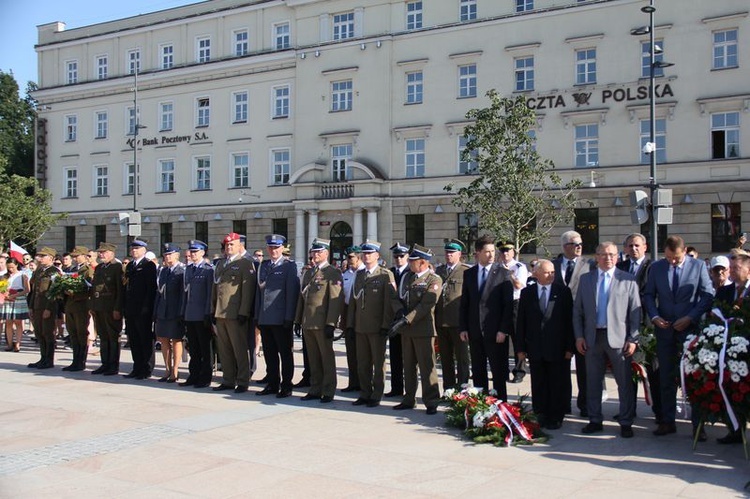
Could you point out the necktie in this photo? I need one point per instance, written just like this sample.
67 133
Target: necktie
543 299
633 267
675 280
482 280
740 295
569 272
601 304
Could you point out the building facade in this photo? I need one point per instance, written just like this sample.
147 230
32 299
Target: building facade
344 118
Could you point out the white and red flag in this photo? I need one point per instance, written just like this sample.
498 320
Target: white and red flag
17 252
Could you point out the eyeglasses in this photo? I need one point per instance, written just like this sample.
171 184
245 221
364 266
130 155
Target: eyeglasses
577 245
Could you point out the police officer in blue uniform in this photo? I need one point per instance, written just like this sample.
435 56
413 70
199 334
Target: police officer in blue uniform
196 311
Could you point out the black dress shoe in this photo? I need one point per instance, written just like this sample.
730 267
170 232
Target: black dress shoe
263 381
733 437
592 428
202 385
518 377
392 394
361 401
34 365
350 389
222 387
309 396
131 374
187 382
402 407
69 368
240 389
326 399
665 429
626 431
431 410
553 425
284 393
373 403
266 391
99 370
110 373
173 380
163 379
74 369
46 366
303 383
143 376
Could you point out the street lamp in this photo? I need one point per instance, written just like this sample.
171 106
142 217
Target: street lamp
650 148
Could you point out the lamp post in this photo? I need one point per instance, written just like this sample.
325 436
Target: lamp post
134 220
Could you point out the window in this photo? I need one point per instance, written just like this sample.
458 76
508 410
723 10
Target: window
70 236
71 72
340 155
467 81
586 222
203 173
725 135
102 124
201 231
646 59
102 67
280 164
71 183
524 73
132 123
166 175
100 234
661 233
467 10
241 42
101 180
129 184
524 5
240 170
343 26
281 36
468 229
203 49
71 128
166 116
341 95
281 102
660 138
167 56
725 226
725 49
414 87
466 167
203 116
280 226
134 61
239 100
413 15
414 158
239 227
585 66
414 229
587 145
165 234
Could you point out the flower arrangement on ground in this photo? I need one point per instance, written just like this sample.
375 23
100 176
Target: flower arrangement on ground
66 285
486 419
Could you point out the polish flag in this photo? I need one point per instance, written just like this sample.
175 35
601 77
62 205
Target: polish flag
17 252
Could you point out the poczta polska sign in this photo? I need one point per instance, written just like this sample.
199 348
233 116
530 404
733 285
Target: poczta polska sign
602 96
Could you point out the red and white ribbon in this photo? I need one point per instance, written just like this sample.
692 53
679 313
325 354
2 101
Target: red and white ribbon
722 366
646 387
510 422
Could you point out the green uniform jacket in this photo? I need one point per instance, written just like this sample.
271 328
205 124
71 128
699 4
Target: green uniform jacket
107 290
371 304
40 282
321 298
421 294
79 301
233 293
449 304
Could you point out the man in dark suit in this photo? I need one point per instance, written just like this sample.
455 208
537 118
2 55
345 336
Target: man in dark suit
400 267
569 267
544 334
484 317
140 294
199 279
606 318
678 293
736 294
275 308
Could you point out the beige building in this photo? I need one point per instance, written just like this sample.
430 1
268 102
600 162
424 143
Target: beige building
344 118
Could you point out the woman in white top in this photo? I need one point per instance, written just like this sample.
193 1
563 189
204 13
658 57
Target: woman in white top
15 308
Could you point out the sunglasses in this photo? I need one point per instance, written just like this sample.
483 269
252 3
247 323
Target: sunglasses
577 245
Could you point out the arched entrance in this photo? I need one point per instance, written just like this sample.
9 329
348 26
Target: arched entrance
341 238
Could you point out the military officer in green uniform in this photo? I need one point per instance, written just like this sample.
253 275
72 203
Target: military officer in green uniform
454 353
105 302
43 309
318 309
419 292
370 313
77 311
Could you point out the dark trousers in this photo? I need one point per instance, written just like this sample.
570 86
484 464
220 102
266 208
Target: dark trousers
454 357
483 349
77 324
519 366
395 352
141 338
277 346
108 330
550 383
669 344
350 342
305 361
199 343
253 359
44 331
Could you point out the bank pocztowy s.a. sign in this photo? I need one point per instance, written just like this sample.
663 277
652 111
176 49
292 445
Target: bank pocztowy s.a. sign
168 140
599 96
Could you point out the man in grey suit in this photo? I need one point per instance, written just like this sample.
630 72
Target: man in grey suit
606 318
678 292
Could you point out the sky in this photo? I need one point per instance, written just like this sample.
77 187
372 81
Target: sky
18 22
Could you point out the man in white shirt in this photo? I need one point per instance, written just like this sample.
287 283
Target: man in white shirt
518 274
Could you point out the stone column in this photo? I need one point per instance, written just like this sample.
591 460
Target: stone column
372 224
312 227
357 233
299 236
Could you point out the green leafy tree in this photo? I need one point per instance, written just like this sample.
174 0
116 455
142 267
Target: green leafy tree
16 126
516 193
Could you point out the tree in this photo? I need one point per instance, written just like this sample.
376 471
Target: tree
16 127
516 193
25 213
